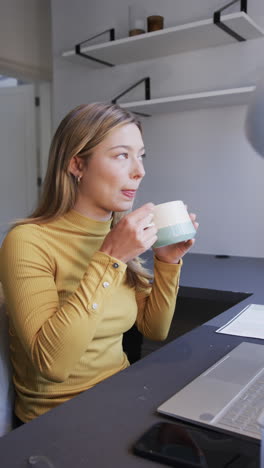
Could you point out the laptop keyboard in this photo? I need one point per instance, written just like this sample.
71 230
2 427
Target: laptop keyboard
243 413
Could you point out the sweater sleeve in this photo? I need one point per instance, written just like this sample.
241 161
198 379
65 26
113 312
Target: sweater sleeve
156 304
54 336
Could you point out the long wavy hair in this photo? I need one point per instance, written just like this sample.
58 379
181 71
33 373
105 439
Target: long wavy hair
81 130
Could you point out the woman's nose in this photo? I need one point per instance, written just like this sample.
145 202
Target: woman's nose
137 170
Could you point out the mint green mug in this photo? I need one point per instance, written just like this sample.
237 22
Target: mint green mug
173 223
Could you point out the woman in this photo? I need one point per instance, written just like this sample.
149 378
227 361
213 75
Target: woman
72 280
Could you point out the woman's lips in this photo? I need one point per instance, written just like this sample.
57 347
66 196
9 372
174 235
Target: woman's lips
129 193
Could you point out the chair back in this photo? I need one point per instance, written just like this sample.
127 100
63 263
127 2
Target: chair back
6 383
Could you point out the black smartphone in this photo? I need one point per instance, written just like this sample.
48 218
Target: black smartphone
190 446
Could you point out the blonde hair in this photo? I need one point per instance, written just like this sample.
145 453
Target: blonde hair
81 130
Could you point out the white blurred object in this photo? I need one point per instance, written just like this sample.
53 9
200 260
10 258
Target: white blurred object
261 423
254 125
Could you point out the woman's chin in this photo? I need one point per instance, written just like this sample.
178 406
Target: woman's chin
125 206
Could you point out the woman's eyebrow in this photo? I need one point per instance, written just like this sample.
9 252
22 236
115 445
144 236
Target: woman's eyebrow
126 147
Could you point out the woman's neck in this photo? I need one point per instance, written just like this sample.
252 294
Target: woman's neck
91 212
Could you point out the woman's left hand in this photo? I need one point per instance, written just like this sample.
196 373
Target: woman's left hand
174 252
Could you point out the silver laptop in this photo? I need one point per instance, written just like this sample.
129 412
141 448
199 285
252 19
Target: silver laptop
229 395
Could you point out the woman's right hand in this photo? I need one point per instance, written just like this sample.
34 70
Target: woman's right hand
132 235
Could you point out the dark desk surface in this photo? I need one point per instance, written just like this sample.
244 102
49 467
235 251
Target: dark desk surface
237 274
229 274
97 428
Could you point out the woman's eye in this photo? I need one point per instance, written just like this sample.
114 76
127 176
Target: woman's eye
122 156
142 156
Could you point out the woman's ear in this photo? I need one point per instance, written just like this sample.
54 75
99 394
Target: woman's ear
75 166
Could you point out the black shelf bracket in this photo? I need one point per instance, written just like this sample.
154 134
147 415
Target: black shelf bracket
218 22
147 93
83 54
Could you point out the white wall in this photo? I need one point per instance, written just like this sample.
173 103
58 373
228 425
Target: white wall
201 157
25 39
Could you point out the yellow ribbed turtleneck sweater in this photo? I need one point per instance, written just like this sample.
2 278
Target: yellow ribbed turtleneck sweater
69 306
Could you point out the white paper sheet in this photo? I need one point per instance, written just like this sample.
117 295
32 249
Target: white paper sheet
249 322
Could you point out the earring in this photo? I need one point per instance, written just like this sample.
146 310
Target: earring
79 178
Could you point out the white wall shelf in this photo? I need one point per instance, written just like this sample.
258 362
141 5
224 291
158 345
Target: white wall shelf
170 41
218 98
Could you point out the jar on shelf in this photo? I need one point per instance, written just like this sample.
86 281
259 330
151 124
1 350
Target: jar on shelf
136 20
155 23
